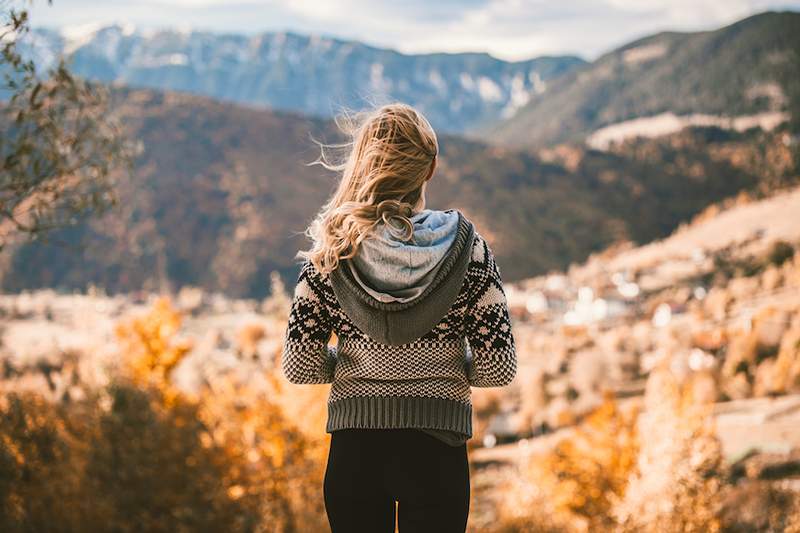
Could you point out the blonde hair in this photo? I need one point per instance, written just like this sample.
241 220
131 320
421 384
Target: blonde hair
391 155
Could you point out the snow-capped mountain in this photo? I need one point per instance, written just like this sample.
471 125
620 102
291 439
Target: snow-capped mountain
310 74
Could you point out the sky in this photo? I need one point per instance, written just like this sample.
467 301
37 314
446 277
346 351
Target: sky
508 29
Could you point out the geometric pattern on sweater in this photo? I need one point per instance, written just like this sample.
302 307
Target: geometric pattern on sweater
472 345
426 368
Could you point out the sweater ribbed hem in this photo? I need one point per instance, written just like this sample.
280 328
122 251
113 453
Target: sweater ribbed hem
381 412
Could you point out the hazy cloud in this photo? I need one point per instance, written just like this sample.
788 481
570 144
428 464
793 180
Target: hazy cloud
511 29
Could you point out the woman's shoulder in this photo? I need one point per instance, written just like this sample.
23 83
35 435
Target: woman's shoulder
481 251
480 246
311 280
482 268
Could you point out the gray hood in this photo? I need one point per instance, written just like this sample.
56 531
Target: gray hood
392 270
396 291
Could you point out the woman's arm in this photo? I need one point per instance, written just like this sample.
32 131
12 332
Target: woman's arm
306 356
493 361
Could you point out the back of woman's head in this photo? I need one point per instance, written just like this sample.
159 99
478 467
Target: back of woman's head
390 157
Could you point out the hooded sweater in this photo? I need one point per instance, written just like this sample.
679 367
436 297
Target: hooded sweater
417 323
394 270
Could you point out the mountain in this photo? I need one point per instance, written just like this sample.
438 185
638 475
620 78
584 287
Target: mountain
221 195
309 74
750 67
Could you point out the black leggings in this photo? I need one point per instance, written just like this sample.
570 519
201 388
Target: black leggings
368 469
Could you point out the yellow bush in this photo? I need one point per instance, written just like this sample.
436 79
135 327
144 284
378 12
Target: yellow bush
139 455
586 474
574 486
149 348
676 486
39 478
271 460
248 337
656 470
124 465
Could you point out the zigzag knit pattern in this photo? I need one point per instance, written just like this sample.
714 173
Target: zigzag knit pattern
424 383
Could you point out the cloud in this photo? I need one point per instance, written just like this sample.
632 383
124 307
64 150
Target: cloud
517 29
511 29
211 3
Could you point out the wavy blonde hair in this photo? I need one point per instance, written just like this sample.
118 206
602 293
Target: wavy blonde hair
390 157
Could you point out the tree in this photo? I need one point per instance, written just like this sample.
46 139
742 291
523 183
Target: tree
61 149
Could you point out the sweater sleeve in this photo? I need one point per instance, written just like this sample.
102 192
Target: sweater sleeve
306 356
493 361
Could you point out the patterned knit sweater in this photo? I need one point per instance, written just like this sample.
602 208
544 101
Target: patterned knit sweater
424 383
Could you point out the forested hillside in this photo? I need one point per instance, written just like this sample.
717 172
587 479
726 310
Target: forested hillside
222 193
749 67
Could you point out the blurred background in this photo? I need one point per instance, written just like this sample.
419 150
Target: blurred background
634 166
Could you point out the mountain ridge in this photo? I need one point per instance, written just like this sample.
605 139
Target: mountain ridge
749 66
309 74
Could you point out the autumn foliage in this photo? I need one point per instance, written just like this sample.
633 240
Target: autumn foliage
140 455
654 467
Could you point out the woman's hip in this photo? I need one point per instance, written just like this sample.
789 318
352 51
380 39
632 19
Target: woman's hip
402 462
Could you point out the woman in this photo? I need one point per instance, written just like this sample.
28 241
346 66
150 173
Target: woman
416 300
